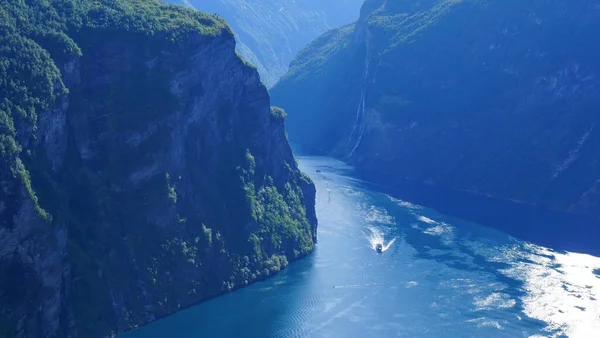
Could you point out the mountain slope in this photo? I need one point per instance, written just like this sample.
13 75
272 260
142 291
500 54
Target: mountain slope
142 167
494 97
270 32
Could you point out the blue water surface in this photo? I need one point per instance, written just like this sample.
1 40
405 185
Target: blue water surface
438 277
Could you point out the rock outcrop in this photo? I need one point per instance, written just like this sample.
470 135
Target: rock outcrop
497 98
159 178
270 33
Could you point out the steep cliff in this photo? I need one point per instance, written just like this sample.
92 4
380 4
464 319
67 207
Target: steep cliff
143 169
270 33
494 97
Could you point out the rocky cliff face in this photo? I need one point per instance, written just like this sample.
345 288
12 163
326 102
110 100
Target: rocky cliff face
494 97
161 178
270 33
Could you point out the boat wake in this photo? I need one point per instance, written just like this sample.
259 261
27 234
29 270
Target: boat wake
376 237
325 205
353 286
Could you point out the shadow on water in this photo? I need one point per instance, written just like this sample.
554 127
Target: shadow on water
460 257
224 315
287 295
442 277
556 231
553 229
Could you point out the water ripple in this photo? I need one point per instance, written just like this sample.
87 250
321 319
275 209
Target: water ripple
439 277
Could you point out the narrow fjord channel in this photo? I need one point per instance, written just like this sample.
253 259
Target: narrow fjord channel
438 276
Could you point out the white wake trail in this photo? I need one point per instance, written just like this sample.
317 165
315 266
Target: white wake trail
376 237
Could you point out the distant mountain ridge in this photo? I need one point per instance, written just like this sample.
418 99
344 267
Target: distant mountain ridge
271 32
494 97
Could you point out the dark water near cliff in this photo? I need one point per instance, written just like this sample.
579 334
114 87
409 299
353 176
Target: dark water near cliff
439 277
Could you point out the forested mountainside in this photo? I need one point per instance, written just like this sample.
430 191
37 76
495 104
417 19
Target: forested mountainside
271 32
142 167
495 97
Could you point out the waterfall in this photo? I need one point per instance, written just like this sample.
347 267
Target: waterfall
360 122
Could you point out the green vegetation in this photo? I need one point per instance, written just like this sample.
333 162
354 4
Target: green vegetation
278 113
333 60
318 53
146 236
29 80
35 36
150 17
270 37
471 102
171 189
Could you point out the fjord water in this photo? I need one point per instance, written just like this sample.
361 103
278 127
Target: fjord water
437 277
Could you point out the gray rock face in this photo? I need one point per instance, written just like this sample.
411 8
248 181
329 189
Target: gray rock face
158 169
270 33
497 98
34 270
